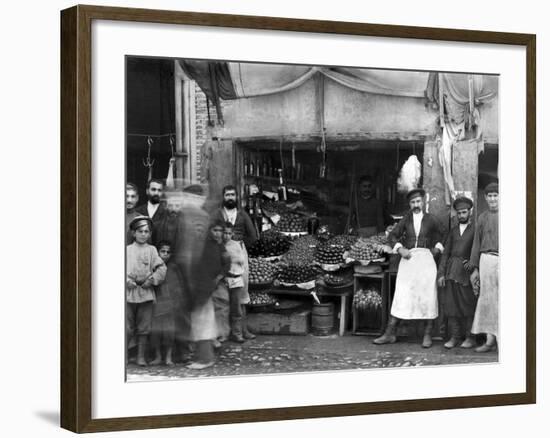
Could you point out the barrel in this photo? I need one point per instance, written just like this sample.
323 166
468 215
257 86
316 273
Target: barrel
322 318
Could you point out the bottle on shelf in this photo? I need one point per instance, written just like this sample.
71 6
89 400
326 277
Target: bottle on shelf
281 190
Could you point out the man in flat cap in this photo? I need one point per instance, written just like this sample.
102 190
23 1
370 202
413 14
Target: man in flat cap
417 238
459 300
484 260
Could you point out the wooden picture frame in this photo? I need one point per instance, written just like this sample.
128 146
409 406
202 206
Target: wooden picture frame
76 219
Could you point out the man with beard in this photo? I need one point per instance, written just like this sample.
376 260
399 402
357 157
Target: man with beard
369 216
484 278
243 230
132 198
154 209
459 301
417 239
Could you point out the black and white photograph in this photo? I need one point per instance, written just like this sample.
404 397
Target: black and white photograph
286 218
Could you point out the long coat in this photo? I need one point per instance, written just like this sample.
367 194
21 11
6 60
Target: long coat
431 232
457 250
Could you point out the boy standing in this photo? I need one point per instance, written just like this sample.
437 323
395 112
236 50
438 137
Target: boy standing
164 310
238 294
144 270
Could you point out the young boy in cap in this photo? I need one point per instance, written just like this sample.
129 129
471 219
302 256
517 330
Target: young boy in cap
458 299
144 270
484 278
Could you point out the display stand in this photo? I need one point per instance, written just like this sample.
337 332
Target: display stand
360 278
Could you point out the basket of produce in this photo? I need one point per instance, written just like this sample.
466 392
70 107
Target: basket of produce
291 222
346 240
330 255
367 250
302 251
368 298
300 275
261 273
270 244
261 300
338 280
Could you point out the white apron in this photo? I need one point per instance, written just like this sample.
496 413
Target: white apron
415 288
486 317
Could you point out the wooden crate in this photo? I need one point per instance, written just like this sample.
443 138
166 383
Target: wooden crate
268 323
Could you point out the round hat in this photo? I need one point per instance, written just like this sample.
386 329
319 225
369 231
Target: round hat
140 221
491 188
462 202
415 192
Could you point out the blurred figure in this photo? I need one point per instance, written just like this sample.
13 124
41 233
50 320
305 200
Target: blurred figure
209 270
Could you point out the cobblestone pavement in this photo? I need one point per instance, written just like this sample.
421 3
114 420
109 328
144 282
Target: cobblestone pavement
290 354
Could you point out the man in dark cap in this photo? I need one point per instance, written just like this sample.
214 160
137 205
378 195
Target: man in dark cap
154 209
417 238
459 301
484 278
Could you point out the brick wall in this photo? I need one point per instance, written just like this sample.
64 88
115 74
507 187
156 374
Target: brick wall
201 122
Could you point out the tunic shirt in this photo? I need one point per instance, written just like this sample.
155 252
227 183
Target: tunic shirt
236 255
457 250
143 262
486 236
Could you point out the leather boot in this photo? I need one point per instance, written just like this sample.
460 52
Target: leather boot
236 330
389 334
427 340
454 329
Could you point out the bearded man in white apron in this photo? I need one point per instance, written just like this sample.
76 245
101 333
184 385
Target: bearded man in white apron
417 239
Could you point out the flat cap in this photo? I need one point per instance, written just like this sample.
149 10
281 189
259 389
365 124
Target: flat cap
414 193
462 202
140 221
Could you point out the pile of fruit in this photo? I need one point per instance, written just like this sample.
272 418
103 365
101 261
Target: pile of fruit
270 244
261 299
292 223
261 271
302 250
379 239
369 298
340 279
344 239
297 273
274 207
330 253
366 249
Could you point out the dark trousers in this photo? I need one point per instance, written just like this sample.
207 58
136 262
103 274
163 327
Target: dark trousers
138 320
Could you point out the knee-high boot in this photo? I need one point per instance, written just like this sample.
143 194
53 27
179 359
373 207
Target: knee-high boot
389 334
427 340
